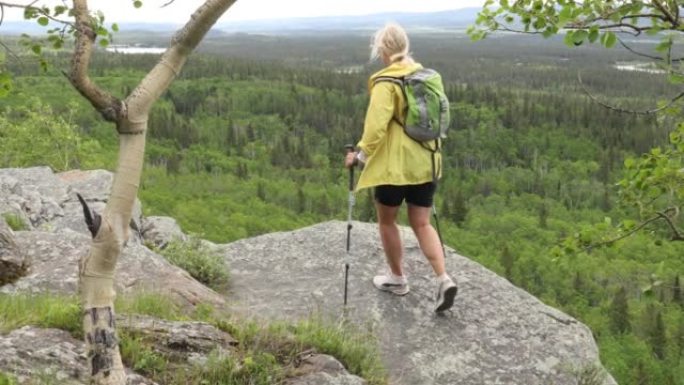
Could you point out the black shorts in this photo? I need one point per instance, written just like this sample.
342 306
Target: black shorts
419 194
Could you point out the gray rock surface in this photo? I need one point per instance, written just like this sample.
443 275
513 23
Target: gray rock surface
13 262
31 354
495 334
54 268
48 201
94 186
35 193
159 231
322 369
181 341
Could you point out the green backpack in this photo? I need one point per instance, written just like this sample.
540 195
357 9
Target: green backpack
427 108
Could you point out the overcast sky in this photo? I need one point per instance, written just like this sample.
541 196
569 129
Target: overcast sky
180 10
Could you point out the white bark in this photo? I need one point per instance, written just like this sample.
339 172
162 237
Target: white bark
96 272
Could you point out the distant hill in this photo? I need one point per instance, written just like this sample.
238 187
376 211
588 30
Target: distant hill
456 19
444 20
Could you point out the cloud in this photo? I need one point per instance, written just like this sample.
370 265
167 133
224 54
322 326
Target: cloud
180 10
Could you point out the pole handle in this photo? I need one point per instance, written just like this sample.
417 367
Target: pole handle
350 148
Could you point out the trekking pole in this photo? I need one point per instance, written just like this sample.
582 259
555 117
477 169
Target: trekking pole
439 233
349 149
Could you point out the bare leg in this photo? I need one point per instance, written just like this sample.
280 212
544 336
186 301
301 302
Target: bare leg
419 218
391 240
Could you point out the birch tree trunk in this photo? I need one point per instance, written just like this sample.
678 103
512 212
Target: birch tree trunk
111 229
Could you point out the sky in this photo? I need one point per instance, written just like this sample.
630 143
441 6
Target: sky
180 10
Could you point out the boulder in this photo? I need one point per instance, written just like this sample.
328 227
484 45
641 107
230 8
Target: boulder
160 231
13 262
31 354
54 268
321 369
181 341
496 333
48 201
35 192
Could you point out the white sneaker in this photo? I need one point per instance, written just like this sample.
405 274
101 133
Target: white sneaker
445 295
393 283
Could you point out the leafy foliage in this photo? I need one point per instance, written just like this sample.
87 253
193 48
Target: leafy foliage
54 141
15 222
195 258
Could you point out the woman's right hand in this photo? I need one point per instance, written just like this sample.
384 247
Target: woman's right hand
350 159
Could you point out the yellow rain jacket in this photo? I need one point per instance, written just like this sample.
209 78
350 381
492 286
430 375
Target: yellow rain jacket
391 156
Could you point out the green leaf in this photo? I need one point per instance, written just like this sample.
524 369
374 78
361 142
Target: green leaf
5 84
579 36
664 45
104 43
37 49
676 78
569 40
60 9
565 15
115 27
628 224
137 4
29 13
593 34
675 137
43 21
608 39
647 290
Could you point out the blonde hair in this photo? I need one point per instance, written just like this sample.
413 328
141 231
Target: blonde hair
391 40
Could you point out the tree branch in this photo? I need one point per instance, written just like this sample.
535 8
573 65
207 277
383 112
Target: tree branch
107 105
621 110
37 9
636 31
677 233
670 17
652 57
167 3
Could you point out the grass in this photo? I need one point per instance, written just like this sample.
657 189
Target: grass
6 379
194 257
15 222
151 304
40 310
264 356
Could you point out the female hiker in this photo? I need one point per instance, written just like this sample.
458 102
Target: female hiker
399 168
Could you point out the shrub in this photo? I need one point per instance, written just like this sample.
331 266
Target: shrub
195 258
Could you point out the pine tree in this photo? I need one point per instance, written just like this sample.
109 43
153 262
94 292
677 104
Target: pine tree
619 312
658 338
677 292
507 260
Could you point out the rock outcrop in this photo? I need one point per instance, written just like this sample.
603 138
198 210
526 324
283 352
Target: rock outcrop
30 354
54 268
189 342
13 262
160 231
60 237
495 334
